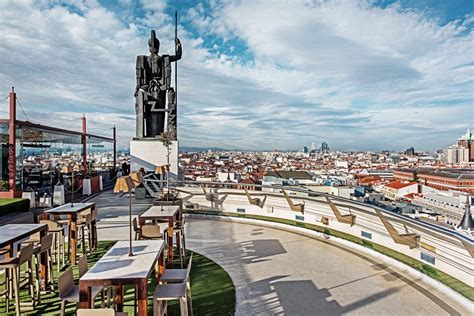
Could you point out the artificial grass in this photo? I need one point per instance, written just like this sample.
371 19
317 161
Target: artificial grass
457 285
213 292
14 205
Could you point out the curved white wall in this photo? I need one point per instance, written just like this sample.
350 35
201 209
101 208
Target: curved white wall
449 252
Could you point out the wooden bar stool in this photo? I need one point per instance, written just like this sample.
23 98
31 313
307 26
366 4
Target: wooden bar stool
83 226
58 251
68 292
13 265
174 291
46 244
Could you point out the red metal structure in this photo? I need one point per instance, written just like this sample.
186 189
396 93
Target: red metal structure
84 143
12 146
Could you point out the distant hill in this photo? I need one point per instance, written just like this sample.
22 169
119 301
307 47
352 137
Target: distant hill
199 149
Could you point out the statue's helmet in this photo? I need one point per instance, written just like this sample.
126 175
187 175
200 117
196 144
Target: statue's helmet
153 43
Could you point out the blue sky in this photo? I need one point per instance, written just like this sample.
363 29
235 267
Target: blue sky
258 75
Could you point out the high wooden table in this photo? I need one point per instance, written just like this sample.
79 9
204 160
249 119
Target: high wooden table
72 214
118 269
165 213
12 233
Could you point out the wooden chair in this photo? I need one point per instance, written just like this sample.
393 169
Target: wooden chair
136 229
174 291
13 265
150 231
83 267
176 275
68 292
178 232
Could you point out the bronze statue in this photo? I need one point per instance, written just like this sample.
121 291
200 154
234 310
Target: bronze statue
153 85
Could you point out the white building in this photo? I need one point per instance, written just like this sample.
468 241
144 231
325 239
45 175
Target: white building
456 154
450 204
398 189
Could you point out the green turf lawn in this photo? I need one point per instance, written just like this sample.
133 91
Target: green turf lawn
14 205
213 292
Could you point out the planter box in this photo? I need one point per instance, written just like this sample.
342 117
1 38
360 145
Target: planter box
95 184
30 196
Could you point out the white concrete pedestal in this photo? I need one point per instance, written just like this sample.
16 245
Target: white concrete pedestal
86 187
58 195
150 153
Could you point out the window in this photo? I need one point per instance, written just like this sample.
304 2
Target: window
427 258
366 234
240 210
299 218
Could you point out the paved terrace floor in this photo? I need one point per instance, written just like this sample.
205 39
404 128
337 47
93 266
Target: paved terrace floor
277 272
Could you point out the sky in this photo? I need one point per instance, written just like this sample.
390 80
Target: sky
255 75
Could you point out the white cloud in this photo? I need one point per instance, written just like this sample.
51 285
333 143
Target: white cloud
342 71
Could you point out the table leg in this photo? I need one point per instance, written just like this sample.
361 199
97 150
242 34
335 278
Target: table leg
84 295
44 259
142 297
160 266
94 235
119 297
9 289
73 238
170 242
94 232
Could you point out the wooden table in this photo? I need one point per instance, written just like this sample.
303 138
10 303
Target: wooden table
118 269
166 213
72 214
12 233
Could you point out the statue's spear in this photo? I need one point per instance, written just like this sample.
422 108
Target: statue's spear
176 70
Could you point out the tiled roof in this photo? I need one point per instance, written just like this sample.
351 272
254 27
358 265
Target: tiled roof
289 174
399 184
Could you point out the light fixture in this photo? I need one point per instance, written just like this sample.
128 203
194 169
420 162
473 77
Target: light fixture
125 184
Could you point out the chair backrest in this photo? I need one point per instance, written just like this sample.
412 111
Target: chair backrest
46 242
96 312
82 266
65 283
135 224
151 231
52 225
188 269
26 253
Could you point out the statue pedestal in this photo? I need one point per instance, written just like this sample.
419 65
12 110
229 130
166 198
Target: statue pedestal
150 153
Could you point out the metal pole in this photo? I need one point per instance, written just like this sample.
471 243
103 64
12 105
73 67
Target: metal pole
130 252
115 151
12 143
72 187
84 144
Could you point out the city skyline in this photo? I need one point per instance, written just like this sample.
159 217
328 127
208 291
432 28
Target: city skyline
361 75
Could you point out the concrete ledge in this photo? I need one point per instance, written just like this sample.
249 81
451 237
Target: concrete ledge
419 276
